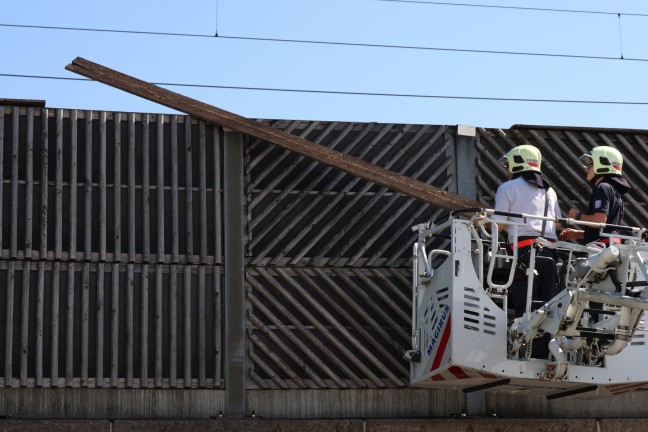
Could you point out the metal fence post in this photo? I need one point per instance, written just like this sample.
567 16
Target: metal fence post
234 289
465 163
466 169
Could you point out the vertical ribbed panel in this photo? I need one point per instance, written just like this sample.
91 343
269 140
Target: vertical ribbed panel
101 286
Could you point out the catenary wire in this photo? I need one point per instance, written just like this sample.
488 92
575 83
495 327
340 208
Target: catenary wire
460 50
351 93
514 7
104 30
352 44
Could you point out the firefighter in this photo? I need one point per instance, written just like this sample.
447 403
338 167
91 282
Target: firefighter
603 166
528 191
604 170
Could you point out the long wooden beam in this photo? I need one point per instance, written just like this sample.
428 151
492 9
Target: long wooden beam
210 114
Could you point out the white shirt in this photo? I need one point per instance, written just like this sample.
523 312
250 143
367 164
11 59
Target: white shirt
520 196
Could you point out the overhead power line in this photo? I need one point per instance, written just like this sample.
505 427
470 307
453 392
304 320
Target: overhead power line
460 50
352 93
352 44
87 29
513 7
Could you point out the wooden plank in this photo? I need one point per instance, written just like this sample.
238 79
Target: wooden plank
130 325
54 337
146 250
99 335
187 324
114 326
117 180
74 165
85 324
202 328
87 189
173 349
130 305
146 191
175 251
189 233
216 181
9 320
29 189
217 328
159 323
116 269
211 114
103 198
24 324
144 325
202 162
175 234
40 312
15 114
132 143
161 175
58 191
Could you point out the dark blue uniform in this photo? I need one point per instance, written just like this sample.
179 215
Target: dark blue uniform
606 198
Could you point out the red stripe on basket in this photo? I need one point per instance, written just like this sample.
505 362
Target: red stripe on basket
442 345
458 372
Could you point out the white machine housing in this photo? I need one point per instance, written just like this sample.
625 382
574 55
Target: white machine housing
464 336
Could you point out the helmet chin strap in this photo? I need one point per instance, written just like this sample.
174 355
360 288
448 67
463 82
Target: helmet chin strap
596 179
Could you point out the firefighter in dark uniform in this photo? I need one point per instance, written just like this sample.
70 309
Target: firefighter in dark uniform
604 171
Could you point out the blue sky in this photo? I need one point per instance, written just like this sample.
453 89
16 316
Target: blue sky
345 60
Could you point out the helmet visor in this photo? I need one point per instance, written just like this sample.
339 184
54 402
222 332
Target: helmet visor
503 161
586 161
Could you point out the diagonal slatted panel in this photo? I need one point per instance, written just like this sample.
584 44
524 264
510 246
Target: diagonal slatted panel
336 318
299 334
305 213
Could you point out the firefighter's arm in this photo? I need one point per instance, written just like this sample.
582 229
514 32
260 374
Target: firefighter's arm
596 217
571 234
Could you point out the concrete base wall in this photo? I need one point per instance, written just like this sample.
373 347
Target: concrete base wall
67 403
266 405
332 425
628 405
76 403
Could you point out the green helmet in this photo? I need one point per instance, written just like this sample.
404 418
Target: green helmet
522 158
604 159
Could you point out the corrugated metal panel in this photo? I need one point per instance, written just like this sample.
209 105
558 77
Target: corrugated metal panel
102 287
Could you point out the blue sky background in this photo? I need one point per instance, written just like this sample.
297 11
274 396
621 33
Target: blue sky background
345 60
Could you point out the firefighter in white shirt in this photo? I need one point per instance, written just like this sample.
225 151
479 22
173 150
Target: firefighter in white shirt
528 191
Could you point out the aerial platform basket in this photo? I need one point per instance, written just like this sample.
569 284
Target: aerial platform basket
464 336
